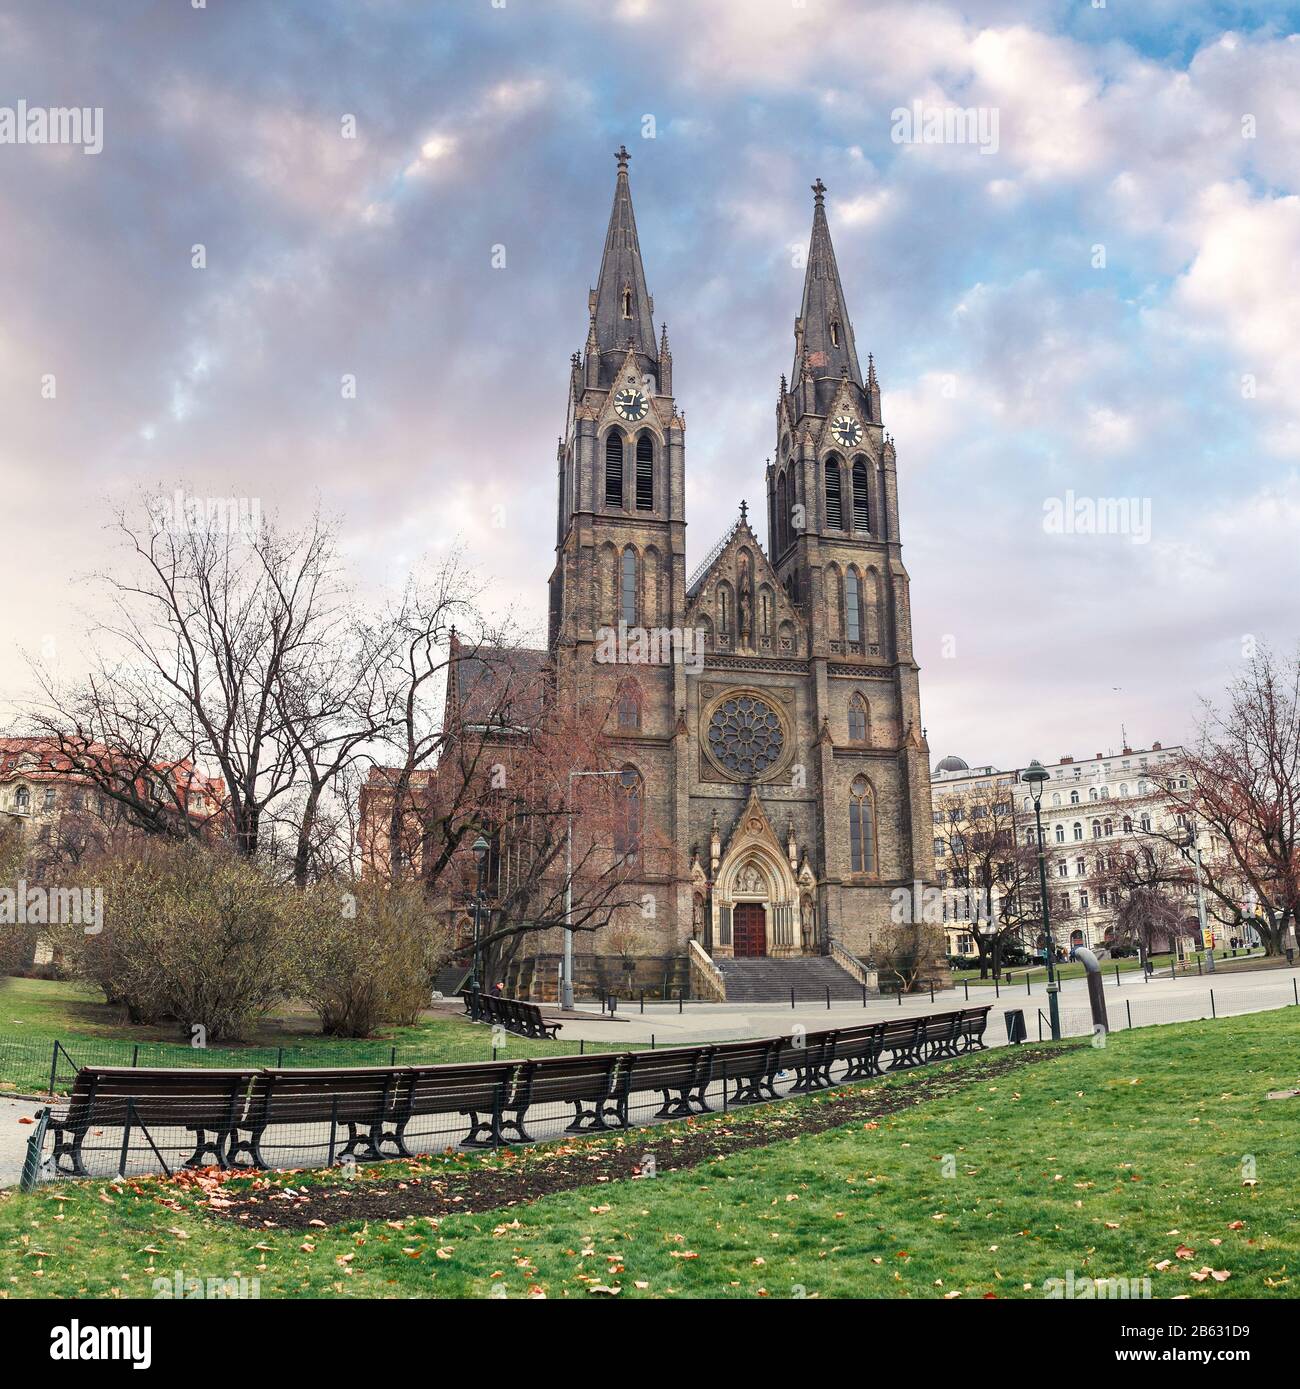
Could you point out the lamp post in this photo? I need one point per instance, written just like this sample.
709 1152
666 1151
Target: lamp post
1036 774
1193 851
481 847
566 983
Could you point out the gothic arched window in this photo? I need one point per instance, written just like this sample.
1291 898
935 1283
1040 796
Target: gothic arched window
857 719
627 303
645 473
629 707
834 502
627 587
852 606
22 798
862 827
627 817
614 469
861 507
835 333
782 514
765 613
724 610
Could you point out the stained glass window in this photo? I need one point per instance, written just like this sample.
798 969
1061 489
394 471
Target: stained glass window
745 736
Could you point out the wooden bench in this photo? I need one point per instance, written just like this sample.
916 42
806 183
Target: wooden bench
493 1095
974 1021
371 1102
596 1086
860 1047
811 1060
208 1103
679 1075
753 1067
902 1039
514 1014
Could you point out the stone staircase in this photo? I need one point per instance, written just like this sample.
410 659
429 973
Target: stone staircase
770 980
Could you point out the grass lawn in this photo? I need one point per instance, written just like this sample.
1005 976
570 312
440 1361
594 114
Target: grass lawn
34 1012
1105 1162
1075 970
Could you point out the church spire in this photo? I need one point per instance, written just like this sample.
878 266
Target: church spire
623 311
823 334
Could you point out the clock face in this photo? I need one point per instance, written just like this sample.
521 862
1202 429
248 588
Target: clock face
630 404
846 430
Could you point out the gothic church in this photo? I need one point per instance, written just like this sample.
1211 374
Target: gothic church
790 773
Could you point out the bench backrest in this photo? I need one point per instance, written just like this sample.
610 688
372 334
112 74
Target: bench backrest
459 1087
191 1096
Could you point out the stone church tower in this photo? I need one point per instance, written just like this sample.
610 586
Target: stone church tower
788 769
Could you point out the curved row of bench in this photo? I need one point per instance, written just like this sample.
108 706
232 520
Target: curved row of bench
368 1109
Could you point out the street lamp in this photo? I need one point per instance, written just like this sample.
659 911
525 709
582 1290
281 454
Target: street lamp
1036 774
481 847
1192 850
566 984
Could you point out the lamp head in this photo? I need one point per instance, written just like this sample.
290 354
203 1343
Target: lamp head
480 846
1035 775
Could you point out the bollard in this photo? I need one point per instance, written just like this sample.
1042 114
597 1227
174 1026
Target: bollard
581 1045
997 992
1029 988
681 995
828 997
864 994
900 993
279 1058
1117 976
965 983
792 996
652 1041
931 990
643 1000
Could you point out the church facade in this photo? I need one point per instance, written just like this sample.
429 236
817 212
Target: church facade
783 760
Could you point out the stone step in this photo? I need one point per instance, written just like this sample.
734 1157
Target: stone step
770 980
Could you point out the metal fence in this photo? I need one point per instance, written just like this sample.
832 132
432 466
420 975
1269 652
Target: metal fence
1140 1009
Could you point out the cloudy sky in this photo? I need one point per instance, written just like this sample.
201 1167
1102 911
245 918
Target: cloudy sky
1107 305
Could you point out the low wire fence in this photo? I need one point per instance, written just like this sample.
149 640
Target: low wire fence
1141 1009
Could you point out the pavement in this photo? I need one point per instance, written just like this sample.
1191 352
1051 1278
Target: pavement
1131 1002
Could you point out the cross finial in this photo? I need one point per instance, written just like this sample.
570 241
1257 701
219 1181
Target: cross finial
622 156
744 510
819 191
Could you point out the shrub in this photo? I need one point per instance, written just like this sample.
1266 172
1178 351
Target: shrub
192 934
374 950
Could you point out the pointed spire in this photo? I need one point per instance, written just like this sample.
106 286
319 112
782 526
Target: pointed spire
825 339
622 309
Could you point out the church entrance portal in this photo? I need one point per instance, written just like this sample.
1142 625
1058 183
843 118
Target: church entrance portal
749 929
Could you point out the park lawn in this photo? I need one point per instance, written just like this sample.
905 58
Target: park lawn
1072 969
34 1012
1104 1162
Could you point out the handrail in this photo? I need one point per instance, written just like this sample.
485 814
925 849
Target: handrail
850 964
710 977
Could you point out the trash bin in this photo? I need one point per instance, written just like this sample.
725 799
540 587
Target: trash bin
1015 1025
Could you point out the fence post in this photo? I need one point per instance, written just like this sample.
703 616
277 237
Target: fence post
1295 993
1029 988
334 1126
279 1058
997 992
652 1041
135 1055
931 991
1117 976
1128 1008
54 1066
581 1044
126 1138
392 1056
864 994
1213 1014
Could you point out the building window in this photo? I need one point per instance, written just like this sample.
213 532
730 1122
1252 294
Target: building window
614 469
1063 869
627 820
1145 823
834 502
49 798
1060 834
1128 824
1080 868
862 827
1078 830
645 474
852 606
1074 798
782 514
22 798
629 707
1083 899
857 719
1108 828
1096 829
765 613
724 610
627 588
861 507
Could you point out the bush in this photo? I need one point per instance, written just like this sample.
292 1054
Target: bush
374 951
192 934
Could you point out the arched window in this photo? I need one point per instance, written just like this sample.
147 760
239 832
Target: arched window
1060 834
861 507
834 502
857 719
765 613
1056 798
614 469
1078 830
629 707
627 303
862 827
645 473
1029 837
852 606
782 514
1128 824
627 819
1108 828
1096 829
1092 793
627 588
835 333
724 610
1074 798
22 798
1145 823
1123 788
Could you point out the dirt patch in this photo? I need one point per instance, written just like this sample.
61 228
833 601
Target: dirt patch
458 1184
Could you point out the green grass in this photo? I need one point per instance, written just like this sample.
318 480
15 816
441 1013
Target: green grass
1075 970
34 1012
1102 1162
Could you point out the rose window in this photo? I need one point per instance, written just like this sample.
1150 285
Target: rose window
745 736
